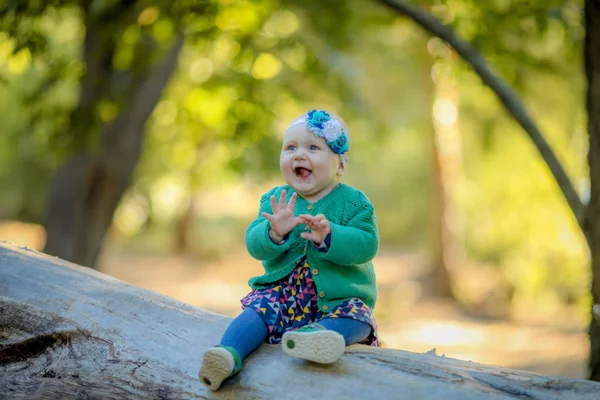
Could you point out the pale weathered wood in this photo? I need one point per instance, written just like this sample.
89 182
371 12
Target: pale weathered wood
71 332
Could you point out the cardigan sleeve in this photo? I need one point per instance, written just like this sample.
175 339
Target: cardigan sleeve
357 242
258 241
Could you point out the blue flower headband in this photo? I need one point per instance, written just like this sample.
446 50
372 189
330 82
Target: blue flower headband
324 126
321 124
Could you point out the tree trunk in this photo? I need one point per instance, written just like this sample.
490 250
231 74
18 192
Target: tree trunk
592 70
87 188
71 332
184 233
445 156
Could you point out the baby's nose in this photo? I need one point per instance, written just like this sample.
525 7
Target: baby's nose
299 154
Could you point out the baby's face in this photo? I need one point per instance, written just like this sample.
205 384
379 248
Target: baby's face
308 165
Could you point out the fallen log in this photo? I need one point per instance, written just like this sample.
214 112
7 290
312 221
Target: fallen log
69 332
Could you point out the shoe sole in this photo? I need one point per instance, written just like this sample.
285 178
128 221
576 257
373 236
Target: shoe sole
217 365
323 347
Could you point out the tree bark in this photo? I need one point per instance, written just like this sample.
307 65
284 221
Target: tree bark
592 71
72 332
87 188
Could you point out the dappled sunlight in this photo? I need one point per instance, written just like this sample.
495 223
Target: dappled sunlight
447 334
131 215
230 200
148 16
282 24
551 351
23 234
217 295
266 66
433 324
201 70
445 111
167 195
19 61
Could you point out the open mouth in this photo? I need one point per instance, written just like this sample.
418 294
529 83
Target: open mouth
302 173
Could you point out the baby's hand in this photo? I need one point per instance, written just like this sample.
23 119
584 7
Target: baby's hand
319 226
282 220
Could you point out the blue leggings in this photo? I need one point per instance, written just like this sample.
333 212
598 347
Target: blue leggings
248 331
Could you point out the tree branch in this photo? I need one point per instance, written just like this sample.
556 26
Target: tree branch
124 133
506 95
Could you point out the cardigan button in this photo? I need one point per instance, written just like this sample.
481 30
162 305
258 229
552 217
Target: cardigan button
306 228
310 207
325 308
315 271
322 294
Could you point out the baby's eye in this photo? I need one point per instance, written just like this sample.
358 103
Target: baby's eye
314 147
291 147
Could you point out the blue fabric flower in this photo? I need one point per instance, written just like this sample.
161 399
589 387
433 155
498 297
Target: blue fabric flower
340 146
322 125
318 118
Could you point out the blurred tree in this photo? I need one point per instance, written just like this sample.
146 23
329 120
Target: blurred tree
592 223
446 156
108 127
587 217
228 87
122 83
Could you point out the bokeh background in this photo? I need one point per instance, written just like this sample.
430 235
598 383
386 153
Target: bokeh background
480 255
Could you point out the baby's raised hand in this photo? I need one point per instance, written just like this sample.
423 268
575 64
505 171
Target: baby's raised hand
282 220
319 226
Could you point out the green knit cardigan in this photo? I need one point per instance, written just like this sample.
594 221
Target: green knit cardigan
343 271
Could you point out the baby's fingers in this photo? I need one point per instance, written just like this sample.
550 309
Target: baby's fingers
274 205
282 199
320 218
306 235
292 202
267 216
307 218
296 221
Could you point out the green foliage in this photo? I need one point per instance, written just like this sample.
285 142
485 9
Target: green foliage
39 90
514 215
247 68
